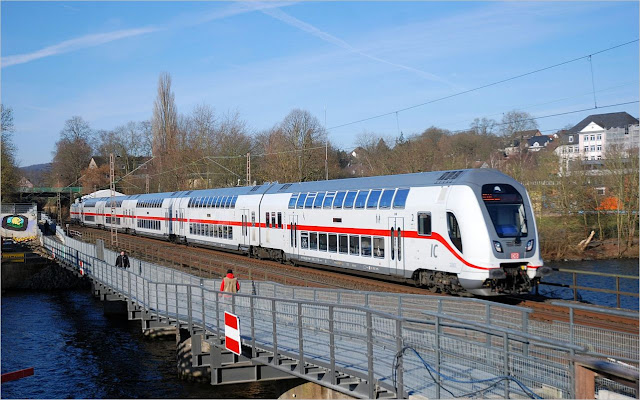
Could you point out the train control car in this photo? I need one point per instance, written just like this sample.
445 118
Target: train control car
459 231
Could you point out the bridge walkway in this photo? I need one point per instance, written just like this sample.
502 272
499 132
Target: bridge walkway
364 344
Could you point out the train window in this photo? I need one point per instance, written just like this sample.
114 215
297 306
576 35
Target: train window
424 224
266 220
392 242
401 198
343 244
372 201
378 247
322 241
292 200
215 231
218 200
361 199
454 231
339 199
211 202
365 246
223 199
333 243
349 199
233 201
273 220
309 202
227 203
220 231
301 198
279 220
313 241
188 205
318 202
304 240
399 244
190 228
328 200
354 245
230 232
225 232
387 197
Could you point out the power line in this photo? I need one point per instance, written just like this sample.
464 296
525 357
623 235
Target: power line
483 86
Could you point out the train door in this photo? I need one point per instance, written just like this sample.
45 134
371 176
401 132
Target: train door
293 236
181 223
396 246
169 220
245 227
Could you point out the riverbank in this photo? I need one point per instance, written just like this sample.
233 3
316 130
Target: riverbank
596 250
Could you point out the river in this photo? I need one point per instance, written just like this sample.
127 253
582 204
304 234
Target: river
616 266
78 352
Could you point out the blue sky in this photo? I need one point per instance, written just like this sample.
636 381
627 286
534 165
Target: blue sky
101 61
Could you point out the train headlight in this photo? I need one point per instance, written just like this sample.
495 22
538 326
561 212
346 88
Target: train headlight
530 245
497 246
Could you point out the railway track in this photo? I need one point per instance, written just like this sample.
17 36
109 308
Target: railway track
210 263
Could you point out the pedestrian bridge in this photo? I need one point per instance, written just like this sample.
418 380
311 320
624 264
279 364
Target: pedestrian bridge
364 344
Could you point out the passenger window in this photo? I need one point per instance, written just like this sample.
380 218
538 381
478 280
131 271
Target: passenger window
454 231
266 220
273 220
227 203
309 202
301 198
343 244
372 201
280 220
354 245
313 241
387 197
230 232
424 224
333 243
318 202
378 247
349 199
401 198
361 198
365 242
328 200
233 201
292 201
304 240
322 241
339 199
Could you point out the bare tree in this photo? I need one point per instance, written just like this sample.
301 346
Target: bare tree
165 118
9 174
517 121
484 126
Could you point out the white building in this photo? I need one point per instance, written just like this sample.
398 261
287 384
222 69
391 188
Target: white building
591 137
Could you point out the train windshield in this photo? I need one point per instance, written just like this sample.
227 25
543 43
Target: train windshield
506 209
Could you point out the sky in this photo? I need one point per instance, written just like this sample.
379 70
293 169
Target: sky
341 61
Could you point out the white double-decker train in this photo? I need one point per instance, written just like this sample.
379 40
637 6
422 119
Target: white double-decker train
452 231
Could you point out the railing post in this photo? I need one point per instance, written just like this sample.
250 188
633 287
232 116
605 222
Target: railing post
253 328
301 367
618 291
370 354
400 369
505 349
571 325
332 347
437 331
275 332
144 298
575 287
204 319
525 329
177 309
166 300
129 286
488 322
189 311
218 313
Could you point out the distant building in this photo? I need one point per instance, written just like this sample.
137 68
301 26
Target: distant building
539 142
25 183
590 139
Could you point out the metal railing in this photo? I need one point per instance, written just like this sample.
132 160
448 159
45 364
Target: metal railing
575 287
388 351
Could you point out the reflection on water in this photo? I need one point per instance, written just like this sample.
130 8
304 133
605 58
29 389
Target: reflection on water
77 352
617 267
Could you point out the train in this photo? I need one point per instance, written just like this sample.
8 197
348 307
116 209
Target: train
460 232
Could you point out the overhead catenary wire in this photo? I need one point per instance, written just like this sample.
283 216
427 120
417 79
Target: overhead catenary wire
483 86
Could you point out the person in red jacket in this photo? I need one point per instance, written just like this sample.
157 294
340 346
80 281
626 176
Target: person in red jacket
230 283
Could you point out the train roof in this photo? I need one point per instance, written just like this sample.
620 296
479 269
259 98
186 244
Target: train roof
476 176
